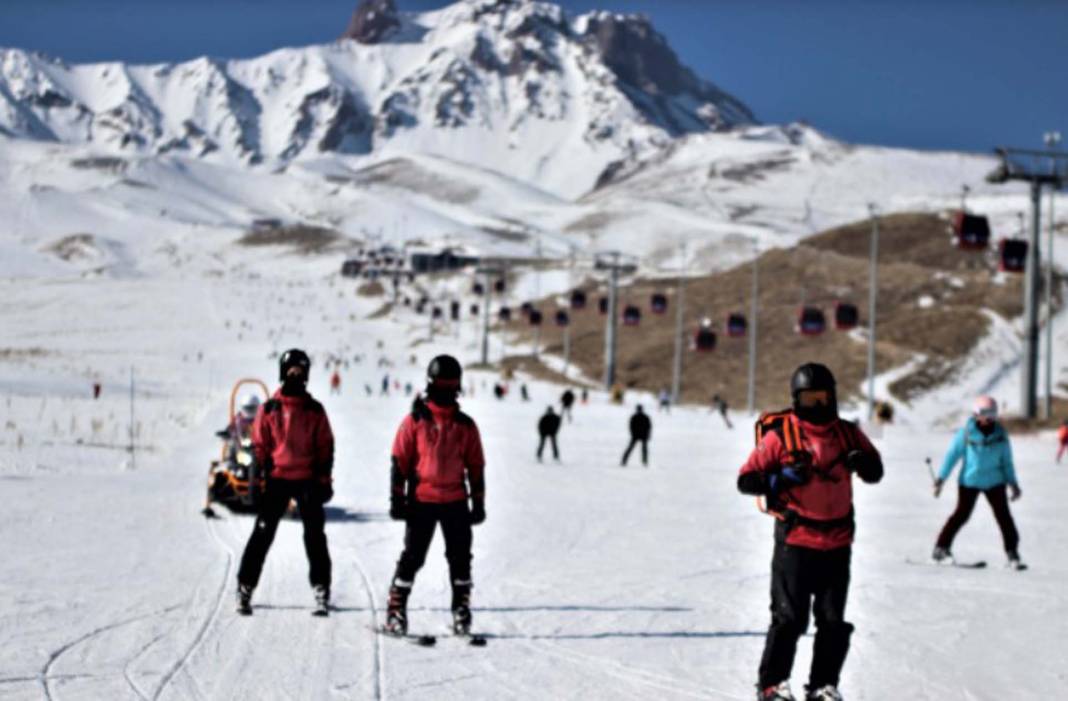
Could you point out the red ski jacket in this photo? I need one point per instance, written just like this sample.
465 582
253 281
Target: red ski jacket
292 436
827 497
435 449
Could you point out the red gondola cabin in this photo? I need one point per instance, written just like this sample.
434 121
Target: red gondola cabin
578 299
1012 255
846 316
602 305
737 325
972 231
534 317
504 314
658 303
704 340
562 318
632 316
811 321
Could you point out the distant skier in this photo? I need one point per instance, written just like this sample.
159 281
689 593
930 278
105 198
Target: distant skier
641 428
385 385
585 395
240 427
548 427
335 382
524 393
1062 439
567 400
437 464
291 436
803 466
719 405
984 447
663 401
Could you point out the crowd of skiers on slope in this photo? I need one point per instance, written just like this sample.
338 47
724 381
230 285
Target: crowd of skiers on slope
801 472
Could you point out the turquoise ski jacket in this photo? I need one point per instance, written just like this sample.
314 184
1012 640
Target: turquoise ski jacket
987 459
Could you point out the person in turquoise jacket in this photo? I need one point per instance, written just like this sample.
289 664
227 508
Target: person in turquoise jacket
983 446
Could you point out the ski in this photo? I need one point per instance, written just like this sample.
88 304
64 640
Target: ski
976 565
414 639
473 639
321 611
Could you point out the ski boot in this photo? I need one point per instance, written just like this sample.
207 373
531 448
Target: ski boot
779 692
322 600
461 608
1014 562
824 693
244 599
397 610
940 555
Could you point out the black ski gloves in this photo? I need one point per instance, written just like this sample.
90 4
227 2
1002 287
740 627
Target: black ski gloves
398 508
324 490
478 511
868 466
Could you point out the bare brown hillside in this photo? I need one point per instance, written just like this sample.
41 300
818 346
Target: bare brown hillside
931 297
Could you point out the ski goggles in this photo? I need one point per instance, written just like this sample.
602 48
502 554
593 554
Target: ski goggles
809 398
988 413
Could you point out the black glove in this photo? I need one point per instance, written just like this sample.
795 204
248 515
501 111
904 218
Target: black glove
324 490
398 508
478 511
868 466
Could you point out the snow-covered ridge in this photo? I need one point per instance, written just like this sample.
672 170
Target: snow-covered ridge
488 82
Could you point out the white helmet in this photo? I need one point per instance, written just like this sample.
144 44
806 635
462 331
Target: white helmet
250 404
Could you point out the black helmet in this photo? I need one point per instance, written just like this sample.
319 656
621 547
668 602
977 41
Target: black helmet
294 357
811 376
444 371
814 376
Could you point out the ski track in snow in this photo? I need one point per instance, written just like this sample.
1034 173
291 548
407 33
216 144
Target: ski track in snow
213 614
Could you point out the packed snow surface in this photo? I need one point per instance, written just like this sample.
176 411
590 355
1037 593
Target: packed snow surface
592 580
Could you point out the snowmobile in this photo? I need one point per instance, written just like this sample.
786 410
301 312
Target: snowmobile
235 479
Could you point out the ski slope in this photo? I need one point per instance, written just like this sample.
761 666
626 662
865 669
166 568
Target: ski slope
592 581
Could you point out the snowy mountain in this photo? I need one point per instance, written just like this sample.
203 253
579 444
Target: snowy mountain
506 84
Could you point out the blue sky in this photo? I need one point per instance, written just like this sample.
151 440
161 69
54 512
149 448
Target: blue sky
934 74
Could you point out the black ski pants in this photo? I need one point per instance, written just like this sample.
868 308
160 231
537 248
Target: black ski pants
999 502
804 579
273 506
552 440
422 521
645 450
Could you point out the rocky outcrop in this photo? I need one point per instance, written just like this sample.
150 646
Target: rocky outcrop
372 21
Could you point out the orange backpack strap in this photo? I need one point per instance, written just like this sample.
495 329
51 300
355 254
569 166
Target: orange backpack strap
781 422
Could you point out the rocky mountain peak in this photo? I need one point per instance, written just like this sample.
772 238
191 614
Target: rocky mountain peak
372 21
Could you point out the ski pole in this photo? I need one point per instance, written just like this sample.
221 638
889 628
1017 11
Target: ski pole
930 471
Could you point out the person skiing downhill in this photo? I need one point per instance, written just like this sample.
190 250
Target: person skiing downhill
567 400
983 445
291 437
803 466
437 464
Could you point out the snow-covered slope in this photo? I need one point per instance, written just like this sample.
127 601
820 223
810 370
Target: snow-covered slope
514 85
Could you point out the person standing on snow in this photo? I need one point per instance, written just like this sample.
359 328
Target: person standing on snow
641 428
567 400
803 466
984 447
548 427
437 465
335 382
663 401
1062 439
291 438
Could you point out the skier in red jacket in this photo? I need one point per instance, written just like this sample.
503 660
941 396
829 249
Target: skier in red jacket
291 437
437 465
803 466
